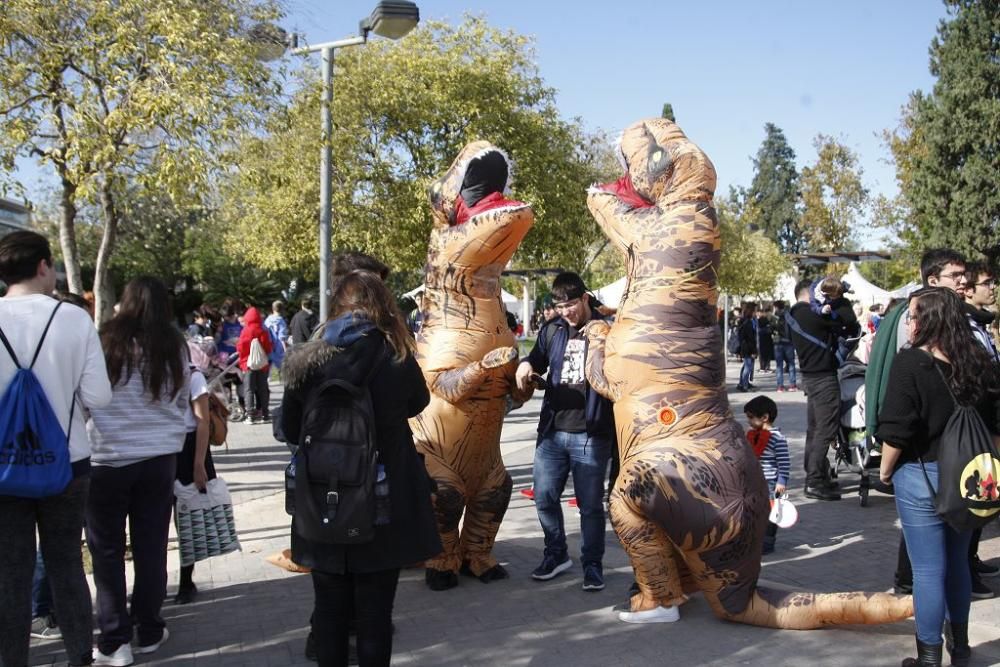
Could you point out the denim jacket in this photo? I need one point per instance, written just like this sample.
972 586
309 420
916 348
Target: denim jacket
547 355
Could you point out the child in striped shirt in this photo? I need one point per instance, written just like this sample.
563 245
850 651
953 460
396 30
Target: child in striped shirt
771 449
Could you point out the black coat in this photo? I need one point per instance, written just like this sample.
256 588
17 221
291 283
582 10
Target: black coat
748 337
398 392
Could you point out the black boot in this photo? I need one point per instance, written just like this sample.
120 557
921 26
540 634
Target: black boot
956 640
928 655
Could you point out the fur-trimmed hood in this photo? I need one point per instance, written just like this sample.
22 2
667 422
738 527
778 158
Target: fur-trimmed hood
304 360
354 361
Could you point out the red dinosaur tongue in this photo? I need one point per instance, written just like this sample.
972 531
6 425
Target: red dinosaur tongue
622 188
487 203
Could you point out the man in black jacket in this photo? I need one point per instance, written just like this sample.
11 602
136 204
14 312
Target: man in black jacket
303 322
818 365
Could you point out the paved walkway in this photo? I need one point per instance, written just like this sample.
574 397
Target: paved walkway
250 613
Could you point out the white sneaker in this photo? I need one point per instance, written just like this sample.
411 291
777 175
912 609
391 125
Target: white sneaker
151 648
658 615
120 658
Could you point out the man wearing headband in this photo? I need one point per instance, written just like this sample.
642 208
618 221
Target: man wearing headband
574 433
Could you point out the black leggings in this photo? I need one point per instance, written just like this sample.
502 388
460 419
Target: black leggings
365 598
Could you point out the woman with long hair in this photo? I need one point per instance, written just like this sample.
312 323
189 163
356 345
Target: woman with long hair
135 443
944 358
365 338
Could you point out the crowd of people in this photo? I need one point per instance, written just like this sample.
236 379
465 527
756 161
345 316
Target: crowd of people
140 367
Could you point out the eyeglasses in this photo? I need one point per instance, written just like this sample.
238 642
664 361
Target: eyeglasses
954 275
910 317
988 284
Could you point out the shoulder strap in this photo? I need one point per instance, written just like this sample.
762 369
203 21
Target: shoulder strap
794 325
10 350
45 331
943 378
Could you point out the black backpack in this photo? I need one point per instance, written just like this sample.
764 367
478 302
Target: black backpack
335 465
968 470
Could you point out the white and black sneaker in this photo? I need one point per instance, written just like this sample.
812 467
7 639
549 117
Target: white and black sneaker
45 627
593 577
551 568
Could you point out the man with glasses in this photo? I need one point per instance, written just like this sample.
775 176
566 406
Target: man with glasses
980 292
575 434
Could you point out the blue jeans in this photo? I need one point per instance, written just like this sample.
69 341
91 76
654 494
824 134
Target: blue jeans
940 555
41 594
746 373
785 353
557 454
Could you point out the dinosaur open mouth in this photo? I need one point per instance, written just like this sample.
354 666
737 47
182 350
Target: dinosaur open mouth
487 178
626 192
623 188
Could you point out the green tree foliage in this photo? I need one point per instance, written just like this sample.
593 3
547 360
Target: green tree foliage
946 148
128 94
774 191
668 112
833 196
751 262
401 112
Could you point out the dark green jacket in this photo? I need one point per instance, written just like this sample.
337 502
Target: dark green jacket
879 363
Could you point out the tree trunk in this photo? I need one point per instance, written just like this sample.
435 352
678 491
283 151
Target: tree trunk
104 290
67 237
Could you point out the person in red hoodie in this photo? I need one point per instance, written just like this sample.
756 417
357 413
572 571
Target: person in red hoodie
258 393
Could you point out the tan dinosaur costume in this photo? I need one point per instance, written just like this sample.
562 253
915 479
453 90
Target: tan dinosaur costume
690 505
467 353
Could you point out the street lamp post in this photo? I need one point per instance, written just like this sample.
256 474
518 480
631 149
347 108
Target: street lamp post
392 19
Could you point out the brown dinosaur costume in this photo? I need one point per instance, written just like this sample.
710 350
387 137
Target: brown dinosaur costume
690 505
467 353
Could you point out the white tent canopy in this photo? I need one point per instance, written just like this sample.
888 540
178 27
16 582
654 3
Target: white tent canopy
611 294
863 291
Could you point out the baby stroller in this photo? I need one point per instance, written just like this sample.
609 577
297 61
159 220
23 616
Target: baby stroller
855 450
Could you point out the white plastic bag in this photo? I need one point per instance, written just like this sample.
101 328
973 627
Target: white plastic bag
205 524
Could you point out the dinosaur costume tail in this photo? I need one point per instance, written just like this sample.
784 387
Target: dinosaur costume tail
807 611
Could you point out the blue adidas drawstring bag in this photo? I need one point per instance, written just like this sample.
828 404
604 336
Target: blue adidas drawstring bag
34 450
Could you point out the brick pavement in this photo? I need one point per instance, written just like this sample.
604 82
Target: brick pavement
250 613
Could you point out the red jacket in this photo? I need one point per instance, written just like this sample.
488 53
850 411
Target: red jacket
252 329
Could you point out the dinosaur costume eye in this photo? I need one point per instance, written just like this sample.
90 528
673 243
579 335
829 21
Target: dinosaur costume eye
659 161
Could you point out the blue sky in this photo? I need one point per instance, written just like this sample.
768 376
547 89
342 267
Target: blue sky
841 68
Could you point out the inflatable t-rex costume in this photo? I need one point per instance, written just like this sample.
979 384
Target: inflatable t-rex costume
690 505
467 353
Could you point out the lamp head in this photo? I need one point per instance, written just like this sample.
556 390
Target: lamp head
391 18
271 41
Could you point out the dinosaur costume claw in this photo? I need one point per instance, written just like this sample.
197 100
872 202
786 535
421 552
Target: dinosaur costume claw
468 356
690 505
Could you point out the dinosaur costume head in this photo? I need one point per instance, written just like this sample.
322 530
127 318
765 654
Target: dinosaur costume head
690 498
662 220
476 232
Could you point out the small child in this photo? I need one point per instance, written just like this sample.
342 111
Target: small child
827 297
771 449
